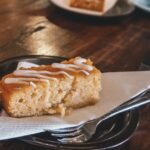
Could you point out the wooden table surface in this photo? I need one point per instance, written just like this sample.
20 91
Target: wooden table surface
30 27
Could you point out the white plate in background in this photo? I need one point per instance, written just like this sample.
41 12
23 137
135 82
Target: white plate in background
113 8
141 5
64 4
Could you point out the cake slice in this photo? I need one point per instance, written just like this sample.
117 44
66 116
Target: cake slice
51 89
96 5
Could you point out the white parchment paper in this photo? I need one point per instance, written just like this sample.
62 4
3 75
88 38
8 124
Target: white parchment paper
118 87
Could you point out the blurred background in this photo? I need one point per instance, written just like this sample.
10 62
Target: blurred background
41 27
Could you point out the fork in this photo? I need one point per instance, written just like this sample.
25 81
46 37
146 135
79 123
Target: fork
84 132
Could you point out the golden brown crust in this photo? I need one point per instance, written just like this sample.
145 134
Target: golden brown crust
5 97
81 84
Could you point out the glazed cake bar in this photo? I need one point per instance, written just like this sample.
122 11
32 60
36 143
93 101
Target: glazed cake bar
51 89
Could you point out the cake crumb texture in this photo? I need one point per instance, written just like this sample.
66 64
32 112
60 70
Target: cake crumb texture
51 89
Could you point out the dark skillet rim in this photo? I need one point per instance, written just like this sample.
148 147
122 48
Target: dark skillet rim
17 58
125 134
5 64
107 143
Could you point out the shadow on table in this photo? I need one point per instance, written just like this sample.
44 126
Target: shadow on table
64 18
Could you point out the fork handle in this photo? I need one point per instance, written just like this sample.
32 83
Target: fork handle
138 100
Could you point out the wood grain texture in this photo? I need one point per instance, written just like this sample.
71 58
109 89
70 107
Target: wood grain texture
116 44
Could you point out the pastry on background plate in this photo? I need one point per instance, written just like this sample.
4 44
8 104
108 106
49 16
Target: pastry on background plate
51 89
96 5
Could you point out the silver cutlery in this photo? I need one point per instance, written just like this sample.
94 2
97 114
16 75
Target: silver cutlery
85 131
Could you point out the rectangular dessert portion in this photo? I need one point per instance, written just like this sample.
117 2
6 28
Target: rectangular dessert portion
97 5
51 89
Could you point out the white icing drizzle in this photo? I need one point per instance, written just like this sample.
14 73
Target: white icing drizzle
23 80
34 75
24 64
33 84
31 73
69 67
14 81
85 72
39 74
65 66
80 62
77 66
